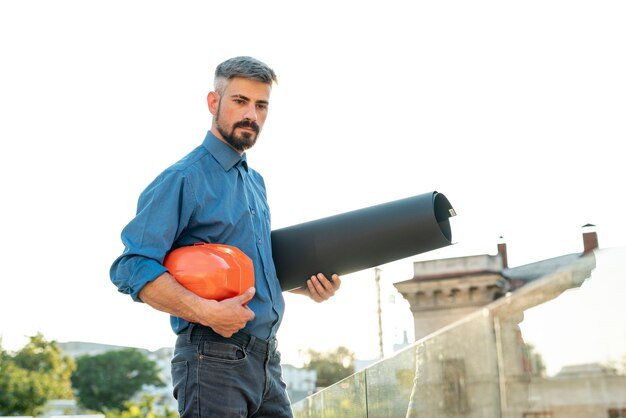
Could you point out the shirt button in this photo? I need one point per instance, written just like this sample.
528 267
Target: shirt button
253 212
260 242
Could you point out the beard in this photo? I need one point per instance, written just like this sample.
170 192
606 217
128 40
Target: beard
242 141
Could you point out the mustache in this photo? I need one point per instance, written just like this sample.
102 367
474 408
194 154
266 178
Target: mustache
247 124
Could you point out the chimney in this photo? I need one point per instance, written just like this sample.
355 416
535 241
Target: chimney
502 253
590 238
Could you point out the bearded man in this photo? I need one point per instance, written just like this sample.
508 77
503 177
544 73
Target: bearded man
226 362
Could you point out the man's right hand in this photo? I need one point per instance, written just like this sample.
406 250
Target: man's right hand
225 317
230 315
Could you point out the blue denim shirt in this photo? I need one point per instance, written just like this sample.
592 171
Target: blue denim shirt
212 196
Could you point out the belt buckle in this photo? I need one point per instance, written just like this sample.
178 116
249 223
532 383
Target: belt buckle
273 345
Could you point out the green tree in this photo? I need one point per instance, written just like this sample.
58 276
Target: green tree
144 409
32 376
106 381
533 361
331 366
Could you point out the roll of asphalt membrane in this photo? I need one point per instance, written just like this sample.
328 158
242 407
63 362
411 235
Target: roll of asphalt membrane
361 239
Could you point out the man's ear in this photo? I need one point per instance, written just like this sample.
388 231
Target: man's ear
213 100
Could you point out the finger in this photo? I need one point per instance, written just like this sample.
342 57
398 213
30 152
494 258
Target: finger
313 290
321 290
245 297
324 281
336 281
224 333
249 314
328 286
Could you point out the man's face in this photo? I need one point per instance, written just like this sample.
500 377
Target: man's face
240 112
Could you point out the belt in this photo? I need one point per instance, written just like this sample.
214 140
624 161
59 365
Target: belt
197 332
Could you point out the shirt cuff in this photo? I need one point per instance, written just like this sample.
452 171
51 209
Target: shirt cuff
146 271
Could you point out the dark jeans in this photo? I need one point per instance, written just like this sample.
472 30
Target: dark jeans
239 376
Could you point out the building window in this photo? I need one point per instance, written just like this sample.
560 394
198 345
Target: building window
617 413
538 415
454 386
438 297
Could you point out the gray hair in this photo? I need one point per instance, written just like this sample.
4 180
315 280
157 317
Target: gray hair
245 67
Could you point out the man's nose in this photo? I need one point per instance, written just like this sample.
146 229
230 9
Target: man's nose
250 113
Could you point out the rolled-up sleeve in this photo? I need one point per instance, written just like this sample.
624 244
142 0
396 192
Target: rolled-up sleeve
163 213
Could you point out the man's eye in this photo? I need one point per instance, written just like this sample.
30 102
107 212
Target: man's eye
261 106
239 101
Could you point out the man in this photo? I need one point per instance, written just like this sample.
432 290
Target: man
225 362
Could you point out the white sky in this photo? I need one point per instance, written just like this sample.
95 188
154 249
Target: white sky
514 110
586 324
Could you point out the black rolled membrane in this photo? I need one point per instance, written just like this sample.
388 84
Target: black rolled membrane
361 239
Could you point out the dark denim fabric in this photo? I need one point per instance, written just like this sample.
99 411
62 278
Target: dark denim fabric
239 376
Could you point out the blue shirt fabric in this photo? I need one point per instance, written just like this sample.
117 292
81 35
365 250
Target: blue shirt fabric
212 196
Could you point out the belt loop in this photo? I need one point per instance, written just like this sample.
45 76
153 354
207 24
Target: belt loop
189 330
250 345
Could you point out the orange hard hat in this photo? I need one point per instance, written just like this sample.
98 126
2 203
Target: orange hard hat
212 271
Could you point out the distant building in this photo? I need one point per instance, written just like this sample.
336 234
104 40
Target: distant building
482 366
405 342
66 408
360 364
76 349
446 290
568 393
300 382
163 395
57 408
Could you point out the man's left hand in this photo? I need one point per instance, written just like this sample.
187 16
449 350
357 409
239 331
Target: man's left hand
319 288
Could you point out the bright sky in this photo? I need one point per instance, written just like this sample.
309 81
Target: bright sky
514 110
585 324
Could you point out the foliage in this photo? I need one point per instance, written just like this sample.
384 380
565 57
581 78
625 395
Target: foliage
106 381
533 362
32 376
143 409
331 366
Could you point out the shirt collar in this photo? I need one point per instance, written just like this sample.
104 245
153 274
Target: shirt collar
223 153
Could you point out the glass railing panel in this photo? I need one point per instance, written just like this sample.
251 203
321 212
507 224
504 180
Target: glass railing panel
389 384
346 398
563 342
554 348
453 366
